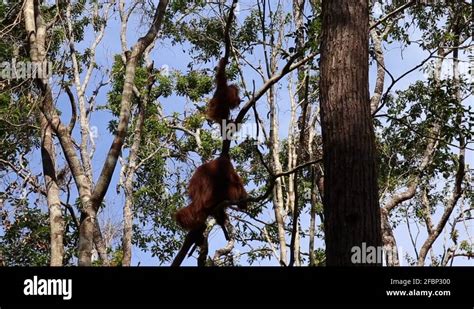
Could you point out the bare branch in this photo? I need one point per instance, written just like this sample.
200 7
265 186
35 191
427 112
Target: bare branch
228 247
72 122
391 14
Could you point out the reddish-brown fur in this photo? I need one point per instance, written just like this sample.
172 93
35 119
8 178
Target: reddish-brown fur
225 98
212 183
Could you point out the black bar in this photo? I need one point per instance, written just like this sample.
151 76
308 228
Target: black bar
245 285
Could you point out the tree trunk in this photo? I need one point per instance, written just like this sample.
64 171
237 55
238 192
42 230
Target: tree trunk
277 190
312 218
89 230
298 8
127 230
389 241
351 207
100 244
115 149
35 27
128 186
56 220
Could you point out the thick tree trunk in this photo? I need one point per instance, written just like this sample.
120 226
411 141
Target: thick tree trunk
351 207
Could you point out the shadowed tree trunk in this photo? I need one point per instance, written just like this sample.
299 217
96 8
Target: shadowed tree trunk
351 207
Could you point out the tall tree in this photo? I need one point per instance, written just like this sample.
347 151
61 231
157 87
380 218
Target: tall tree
351 206
91 197
36 29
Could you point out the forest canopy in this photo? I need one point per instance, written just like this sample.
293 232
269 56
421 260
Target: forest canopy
103 122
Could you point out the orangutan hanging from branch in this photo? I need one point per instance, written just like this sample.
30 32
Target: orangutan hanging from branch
216 181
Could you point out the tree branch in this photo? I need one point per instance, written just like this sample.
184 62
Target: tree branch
115 149
389 15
